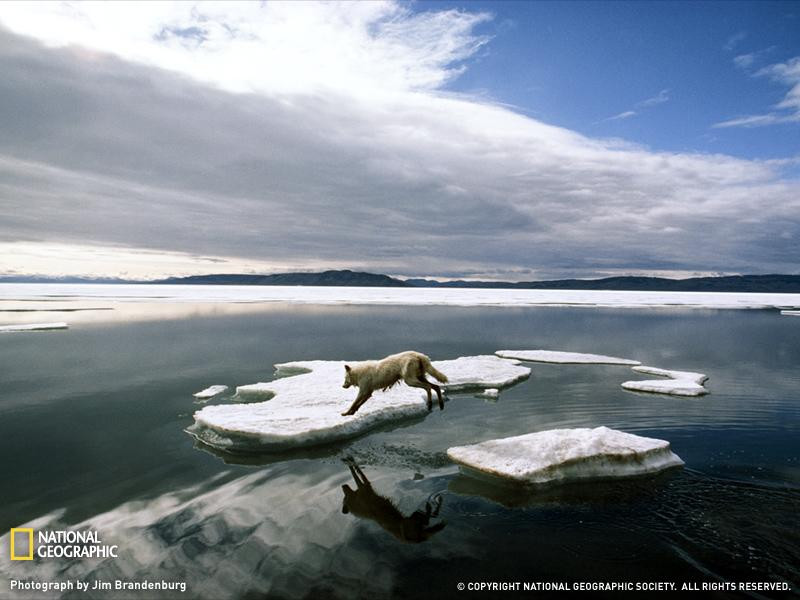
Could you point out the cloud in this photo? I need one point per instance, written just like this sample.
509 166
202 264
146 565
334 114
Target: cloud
734 40
268 47
785 111
623 115
110 155
660 98
745 61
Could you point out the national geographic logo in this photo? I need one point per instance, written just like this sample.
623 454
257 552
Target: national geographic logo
58 544
18 551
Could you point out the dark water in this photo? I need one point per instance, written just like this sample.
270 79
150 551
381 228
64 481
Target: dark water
92 419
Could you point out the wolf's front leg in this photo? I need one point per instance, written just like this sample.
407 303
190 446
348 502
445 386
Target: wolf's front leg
360 399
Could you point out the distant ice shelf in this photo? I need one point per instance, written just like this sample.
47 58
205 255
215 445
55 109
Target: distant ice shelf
565 358
32 327
402 296
563 455
679 383
211 391
303 408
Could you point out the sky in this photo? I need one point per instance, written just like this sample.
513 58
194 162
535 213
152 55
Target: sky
496 140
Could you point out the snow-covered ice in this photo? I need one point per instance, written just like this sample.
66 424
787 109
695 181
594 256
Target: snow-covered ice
303 409
679 383
481 372
33 327
565 358
211 391
400 296
561 455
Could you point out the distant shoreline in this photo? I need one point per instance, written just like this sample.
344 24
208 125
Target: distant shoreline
772 283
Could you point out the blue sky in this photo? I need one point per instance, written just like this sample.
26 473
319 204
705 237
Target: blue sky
575 64
496 140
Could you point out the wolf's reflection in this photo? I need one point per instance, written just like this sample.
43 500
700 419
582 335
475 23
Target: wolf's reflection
363 502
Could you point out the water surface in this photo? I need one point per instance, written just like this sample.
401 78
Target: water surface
92 420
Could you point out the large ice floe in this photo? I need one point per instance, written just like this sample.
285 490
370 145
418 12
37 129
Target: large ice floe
32 327
303 408
562 455
565 358
678 383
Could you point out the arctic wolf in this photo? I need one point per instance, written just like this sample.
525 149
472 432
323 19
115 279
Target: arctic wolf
382 374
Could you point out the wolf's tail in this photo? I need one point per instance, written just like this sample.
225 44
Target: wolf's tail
429 368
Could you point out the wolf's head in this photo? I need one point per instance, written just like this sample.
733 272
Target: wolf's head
348 377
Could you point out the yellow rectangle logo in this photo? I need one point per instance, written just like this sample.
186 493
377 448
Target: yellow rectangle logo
22 530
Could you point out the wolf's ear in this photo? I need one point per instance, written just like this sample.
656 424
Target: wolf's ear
347 368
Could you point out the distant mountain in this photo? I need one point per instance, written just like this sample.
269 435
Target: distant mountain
738 283
326 278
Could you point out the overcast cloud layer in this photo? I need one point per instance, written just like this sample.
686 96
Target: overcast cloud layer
192 140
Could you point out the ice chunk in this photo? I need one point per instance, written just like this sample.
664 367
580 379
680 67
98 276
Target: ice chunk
571 358
304 409
561 455
481 372
33 327
795 313
680 383
490 393
211 391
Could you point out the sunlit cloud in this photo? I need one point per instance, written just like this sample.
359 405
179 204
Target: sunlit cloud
155 136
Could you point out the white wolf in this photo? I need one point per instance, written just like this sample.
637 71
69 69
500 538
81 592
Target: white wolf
382 374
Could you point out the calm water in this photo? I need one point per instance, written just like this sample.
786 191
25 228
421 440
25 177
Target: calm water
92 420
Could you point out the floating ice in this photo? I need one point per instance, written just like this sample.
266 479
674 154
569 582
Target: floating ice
680 383
795 313
490 393
571 358
481 372
33 327
211 391
562 455
304 408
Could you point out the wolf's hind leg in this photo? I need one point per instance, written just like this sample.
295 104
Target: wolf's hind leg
425 386
438 395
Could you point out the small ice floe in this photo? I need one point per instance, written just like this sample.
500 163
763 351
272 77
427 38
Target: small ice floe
795 313
565 358
679 383
211 391
33 327
489 394
561 455
303 409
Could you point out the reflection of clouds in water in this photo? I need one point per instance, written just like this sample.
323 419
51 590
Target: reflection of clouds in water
256 534
278 532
